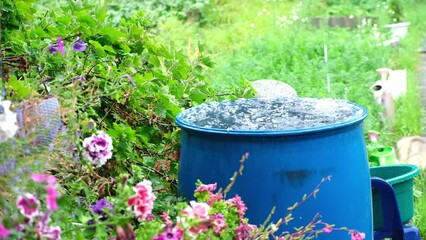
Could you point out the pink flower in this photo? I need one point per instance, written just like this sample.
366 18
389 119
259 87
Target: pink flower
28 205
51 198
327 230
214 198
171 233
219 222
38 177
206 188
239 204
98 148
244 231
373 136
355 235
196 209
143 201
47 232
4 232
166 219
50 190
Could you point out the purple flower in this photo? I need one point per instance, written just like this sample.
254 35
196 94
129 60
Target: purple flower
53 48
99 207
60 46
173 233
98 148
57 47
79 45
28 204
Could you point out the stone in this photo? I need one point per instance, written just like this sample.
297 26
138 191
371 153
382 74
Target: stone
268 88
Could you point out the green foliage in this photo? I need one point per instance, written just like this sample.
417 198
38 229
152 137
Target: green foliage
125 82
158 10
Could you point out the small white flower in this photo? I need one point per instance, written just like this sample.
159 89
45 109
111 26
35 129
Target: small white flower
8 124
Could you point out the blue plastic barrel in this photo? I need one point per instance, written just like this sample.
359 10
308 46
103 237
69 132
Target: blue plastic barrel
283 165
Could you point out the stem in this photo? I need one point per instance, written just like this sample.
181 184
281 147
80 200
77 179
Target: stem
93 225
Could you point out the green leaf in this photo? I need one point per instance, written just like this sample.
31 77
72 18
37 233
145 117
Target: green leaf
21 89
98 47
84 17
110 49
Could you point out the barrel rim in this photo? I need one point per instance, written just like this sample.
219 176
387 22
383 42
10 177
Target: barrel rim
412 172
352 121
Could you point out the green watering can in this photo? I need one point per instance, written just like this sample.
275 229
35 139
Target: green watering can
382 156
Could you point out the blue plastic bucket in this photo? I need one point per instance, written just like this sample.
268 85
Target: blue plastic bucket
283 165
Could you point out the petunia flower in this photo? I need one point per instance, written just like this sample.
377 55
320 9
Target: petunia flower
4 232
98 148
50 189
79 45
28 205
125 234
355 235
143 202
100 206
171 233
197 210
8 121
51 198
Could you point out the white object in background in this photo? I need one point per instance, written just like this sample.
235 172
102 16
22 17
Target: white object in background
394 82
268 88
412 150
8 123
397 83
398 30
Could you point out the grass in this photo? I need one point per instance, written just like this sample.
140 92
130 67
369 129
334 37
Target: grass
246 44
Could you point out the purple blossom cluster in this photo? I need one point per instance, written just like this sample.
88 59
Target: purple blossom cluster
78 46
100 208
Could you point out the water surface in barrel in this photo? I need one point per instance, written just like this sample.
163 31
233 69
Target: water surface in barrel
271 114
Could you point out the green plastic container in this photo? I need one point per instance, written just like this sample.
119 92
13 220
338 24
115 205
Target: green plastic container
382 156
401 177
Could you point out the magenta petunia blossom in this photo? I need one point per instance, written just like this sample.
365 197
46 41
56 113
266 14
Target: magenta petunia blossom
171 233
39 178
4 232
98 148
143 202
28 205
79 45
51 198
50 190
47 232
355 235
